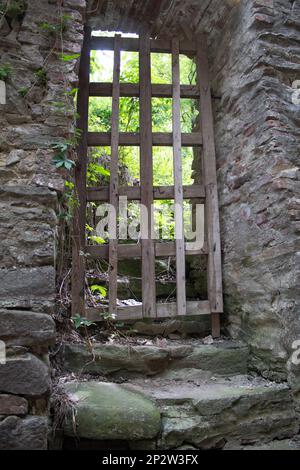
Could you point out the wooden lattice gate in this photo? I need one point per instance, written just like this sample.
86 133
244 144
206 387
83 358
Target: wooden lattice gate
146 193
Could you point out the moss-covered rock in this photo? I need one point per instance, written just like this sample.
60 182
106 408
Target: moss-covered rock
110 411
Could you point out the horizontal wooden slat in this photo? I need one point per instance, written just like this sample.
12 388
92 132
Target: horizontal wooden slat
133 193
133 250
160 139
164 310
132 44
133 90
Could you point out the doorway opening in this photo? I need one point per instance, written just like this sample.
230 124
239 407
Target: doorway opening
147 220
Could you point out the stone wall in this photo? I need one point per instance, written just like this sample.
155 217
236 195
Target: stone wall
30 187
254 62
254 53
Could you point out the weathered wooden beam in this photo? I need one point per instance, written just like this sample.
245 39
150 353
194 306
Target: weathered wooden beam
178 192
146 172
134 250
133 45
114 181
135 312
159 139
133 193
132 90
79 218
214 282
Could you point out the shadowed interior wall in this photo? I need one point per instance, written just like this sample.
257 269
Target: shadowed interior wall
254 63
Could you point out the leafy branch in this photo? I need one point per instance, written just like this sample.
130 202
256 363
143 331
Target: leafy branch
61 158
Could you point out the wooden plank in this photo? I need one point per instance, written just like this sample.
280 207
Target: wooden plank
146 165
134 250
132 90
114 180
79 218
135 312
133 45
159 139
133 193
214 282
178 192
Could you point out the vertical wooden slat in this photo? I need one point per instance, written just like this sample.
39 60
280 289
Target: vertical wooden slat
78 242
178 190
210 180
114 183
148 255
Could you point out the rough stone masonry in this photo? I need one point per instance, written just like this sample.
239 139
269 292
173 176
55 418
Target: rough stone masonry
29 191
254 49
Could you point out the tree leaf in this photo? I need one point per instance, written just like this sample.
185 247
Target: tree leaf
96 289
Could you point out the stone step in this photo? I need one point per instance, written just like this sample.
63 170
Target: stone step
161 414
177 360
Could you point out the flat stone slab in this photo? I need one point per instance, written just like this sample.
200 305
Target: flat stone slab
13 405
283 444
210 414
172 361
28 433
110 411
24 328
236 412
25 375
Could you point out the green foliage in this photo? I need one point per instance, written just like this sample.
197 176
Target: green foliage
13 8
161 68
80 321
70 201
100 121
41 76
23 91
97 174
72 92
100 290
57 27
107 316
130 67
95 171
60 159
51 28
100 114
97 240
5 71
69 57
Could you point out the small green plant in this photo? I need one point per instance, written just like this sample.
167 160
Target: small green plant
80 321
108 316
13 8
23 92
41 76
50 28
60 159
72 92
70 201
97 240
100 290
69 57
5 72
55 28
95 172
